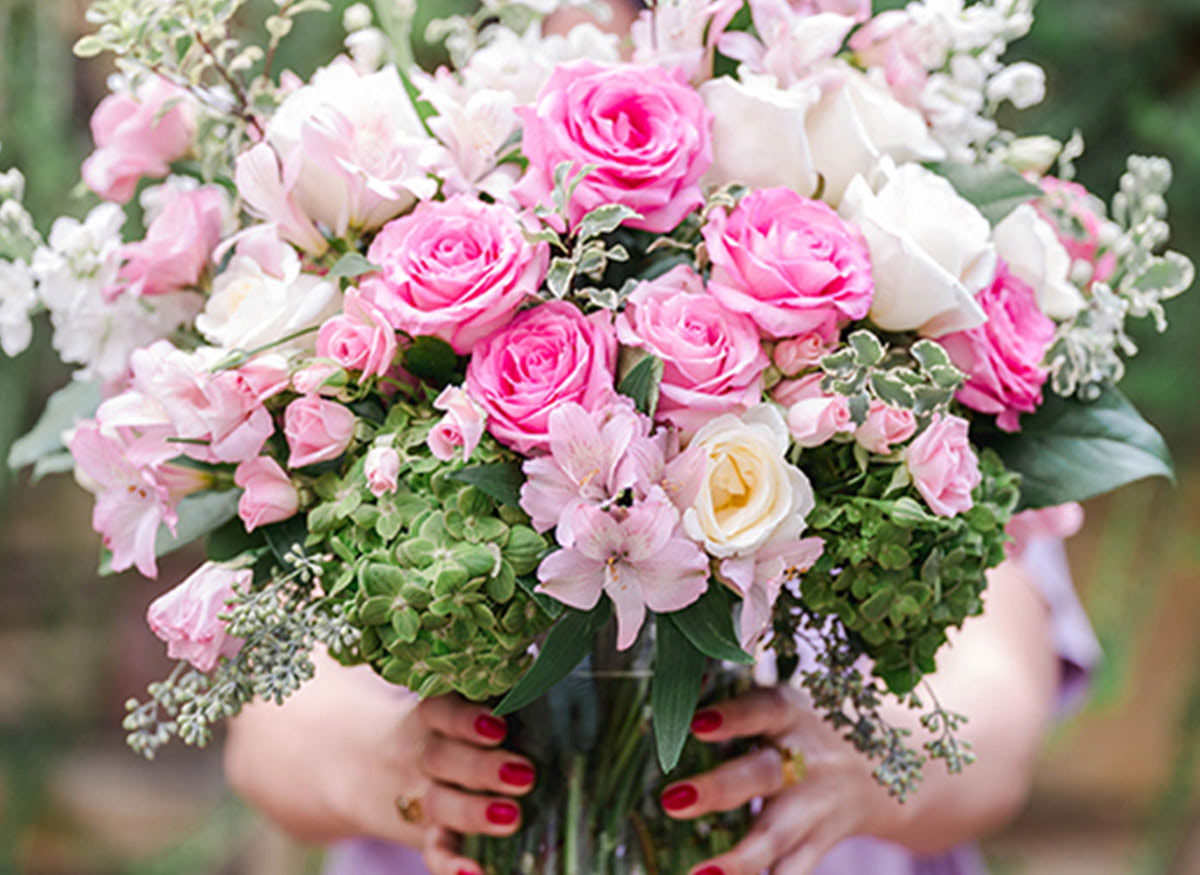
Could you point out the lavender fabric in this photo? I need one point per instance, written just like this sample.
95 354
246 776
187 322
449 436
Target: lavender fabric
1046 563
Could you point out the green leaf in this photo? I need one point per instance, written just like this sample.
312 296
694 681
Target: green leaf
867 349
678 671
996 191
893 391
352 265
75 401
199 514
560 276
231 541
708 624
283 537
565 647
1073 450
930 354
642 382
433 360
604 220
501 481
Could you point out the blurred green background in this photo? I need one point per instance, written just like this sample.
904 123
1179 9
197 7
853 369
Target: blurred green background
1117 788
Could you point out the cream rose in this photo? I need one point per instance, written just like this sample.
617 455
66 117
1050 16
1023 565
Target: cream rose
749 492
1031 248
931 251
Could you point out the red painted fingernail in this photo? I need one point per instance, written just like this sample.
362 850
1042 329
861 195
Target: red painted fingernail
517 774
467 872
503 813
491 728
707 721
707 870
679 797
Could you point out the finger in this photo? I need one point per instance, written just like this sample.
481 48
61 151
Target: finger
442 857
471 815
762 711
782 827
730 785
466 721
801 861
495 771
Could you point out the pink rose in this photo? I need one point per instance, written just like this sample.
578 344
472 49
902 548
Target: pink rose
317 430
188 617
1079 218
813 417
457 270
269 495
359 338
545 357
179 242
789 263
885 427
382 467
713 359
460 429
1003 358
943 466
138 136
797 354
644 129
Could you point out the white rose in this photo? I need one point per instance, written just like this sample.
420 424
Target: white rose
856 123
352 149
749 490
931 251
758 134
251 307
1033 252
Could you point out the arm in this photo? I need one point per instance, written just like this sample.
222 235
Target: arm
1001 671
331 762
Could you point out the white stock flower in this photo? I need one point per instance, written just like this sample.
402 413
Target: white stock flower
17 299
1033 252
758 136
1022 84
856 123
251 306
97 324
931 251
749 491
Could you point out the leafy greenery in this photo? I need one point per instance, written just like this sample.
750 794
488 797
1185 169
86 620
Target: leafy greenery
1073 450
678 671
996 191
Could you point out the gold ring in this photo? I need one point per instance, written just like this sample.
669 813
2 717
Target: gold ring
793 764
410 809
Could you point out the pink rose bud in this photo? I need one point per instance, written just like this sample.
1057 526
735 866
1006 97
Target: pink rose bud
382 468
460 429
643 130
138 136
943 466
319 378
317 430
885 427
188 617
798 354
269 495
360 338
813 417
179 242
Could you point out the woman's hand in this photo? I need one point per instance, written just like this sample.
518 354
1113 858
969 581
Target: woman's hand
831 796
349 756
1000 670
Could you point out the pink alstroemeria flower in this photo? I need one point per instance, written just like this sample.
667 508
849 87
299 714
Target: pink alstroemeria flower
636 556
759 577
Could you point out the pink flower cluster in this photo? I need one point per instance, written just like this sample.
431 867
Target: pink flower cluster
636 554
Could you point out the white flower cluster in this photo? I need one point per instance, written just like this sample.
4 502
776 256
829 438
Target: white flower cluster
17 242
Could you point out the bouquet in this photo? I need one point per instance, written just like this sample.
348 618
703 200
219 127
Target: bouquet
584 373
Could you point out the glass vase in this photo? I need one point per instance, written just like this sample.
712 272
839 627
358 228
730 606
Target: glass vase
595 809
